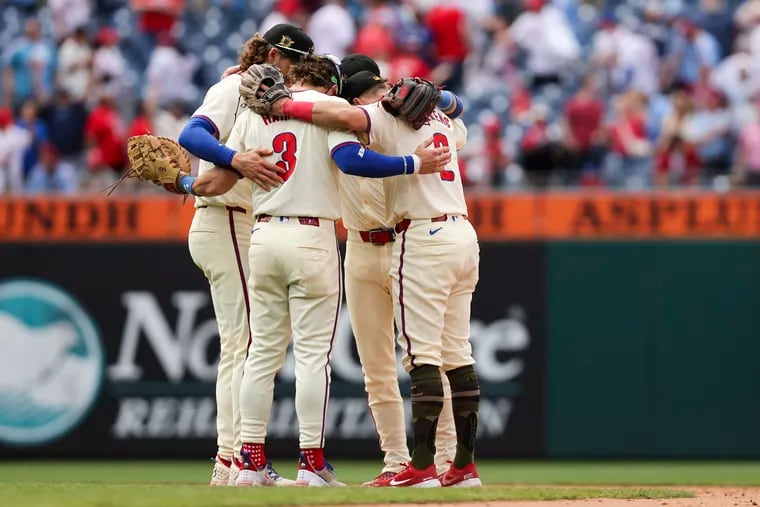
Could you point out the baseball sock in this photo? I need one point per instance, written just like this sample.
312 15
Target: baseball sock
314 457
427 402
254 454
465 400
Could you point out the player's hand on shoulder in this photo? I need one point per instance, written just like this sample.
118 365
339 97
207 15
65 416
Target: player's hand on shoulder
432 159
253 165
235 69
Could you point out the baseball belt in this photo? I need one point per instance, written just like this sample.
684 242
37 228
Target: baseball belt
378 237
301 220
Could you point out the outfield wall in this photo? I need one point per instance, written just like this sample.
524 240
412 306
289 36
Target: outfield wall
653 349
617 345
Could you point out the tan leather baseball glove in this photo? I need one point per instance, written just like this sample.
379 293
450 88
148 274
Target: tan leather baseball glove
160 160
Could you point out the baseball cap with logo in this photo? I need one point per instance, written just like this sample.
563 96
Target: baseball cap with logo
290 39
359 83
357 63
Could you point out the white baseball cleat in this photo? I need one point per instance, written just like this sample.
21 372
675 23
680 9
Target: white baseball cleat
247 478
277 478
234 471
220 475
309 476
267 476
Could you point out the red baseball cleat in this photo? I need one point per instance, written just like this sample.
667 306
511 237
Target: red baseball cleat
466 477
411 477
381 481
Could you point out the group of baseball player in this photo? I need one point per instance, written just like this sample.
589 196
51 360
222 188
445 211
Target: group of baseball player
290 143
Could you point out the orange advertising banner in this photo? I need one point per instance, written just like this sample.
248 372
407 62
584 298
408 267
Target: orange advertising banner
496 216
95 218
609 215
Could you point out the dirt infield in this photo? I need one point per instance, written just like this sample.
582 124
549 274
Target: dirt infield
703 497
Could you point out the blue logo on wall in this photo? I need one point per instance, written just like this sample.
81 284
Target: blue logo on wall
51 362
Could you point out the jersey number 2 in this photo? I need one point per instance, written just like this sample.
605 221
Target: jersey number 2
439 141
285 146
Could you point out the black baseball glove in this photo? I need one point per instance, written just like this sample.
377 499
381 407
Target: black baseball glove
250 87
412 99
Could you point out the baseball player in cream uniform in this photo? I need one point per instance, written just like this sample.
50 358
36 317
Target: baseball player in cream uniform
220 233
434 270
295 283
369 297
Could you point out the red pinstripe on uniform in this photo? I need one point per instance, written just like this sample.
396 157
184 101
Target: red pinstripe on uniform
242 278
332 340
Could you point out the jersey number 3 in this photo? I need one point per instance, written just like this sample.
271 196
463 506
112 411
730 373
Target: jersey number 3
439 141
285 146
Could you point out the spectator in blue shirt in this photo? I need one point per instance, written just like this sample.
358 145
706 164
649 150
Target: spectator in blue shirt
65 120
38 133
52 175
691 48
29 64
715 17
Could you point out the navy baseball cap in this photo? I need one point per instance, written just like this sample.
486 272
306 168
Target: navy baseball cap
359 83
290 39
357 63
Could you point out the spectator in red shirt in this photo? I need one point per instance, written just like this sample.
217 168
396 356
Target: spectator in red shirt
629 129
703 91
407 62
104 133
520 102
629 142
157 16
375 38
375 41
496 158
448 25
677 163
141 123
584 117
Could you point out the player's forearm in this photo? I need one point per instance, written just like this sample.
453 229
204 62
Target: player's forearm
353 159
214 182
451 105
328 114
198 137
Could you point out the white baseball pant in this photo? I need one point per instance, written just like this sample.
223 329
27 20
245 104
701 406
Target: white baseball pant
295 287
370 308
219 237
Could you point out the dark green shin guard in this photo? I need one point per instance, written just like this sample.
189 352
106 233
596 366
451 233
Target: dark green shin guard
427 402
465 400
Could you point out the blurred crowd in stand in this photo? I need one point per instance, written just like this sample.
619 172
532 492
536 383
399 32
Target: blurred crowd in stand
632 94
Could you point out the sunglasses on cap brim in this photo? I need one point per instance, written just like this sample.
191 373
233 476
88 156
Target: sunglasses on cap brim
293 54
337 78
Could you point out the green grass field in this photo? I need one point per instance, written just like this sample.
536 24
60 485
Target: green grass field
142 484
